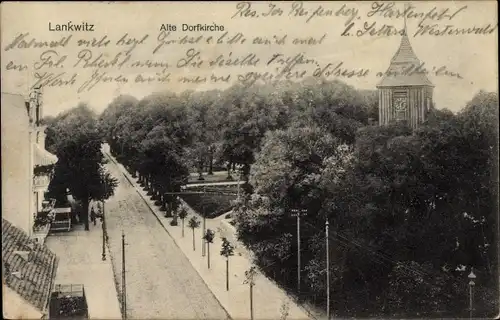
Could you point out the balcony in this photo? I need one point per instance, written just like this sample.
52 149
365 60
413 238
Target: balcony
41 181
48 205
43 221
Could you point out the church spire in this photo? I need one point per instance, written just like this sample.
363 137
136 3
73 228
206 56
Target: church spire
404 29
405 52
404 59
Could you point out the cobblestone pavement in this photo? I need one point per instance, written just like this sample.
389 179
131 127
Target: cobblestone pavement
161 282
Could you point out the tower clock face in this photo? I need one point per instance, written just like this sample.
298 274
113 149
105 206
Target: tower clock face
400 104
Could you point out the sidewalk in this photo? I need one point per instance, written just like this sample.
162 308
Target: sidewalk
268 299
80 262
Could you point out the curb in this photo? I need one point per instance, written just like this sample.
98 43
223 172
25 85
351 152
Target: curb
125 174
115 277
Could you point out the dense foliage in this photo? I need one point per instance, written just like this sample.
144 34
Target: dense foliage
410 211
74 137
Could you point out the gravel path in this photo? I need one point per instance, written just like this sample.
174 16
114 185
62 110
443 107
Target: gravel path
161 282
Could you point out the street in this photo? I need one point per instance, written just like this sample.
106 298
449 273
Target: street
161 282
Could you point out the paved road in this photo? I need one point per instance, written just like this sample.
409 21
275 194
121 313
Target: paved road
161 282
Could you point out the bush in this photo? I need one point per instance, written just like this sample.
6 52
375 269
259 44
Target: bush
174 222
212 205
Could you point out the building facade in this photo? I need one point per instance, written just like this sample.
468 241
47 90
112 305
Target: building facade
26 165
405 92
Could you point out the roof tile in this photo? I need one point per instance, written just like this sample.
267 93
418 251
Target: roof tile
403 70
37 273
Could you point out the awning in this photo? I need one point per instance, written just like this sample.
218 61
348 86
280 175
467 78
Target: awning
43 157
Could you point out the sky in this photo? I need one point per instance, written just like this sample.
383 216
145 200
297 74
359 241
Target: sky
473 56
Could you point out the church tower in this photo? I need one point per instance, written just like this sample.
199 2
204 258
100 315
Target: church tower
405 92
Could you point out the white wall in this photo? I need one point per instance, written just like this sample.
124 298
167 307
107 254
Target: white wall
17 169
15 307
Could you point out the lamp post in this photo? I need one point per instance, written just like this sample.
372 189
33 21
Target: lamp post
124 286
471 277
327 272
103 227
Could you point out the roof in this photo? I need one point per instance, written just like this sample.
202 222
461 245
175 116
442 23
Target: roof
14 97
43 157
15 100
403 70
31 274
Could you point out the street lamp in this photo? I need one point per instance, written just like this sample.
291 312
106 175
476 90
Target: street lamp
471 277
103 234
327 271
103 227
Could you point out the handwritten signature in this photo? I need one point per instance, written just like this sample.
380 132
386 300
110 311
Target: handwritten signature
296 9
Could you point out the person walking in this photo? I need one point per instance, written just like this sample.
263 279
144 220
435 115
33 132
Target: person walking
92 215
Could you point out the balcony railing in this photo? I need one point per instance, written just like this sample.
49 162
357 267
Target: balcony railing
45 216
41 181
43 220
48 205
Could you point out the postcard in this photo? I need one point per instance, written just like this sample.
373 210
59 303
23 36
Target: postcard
249 160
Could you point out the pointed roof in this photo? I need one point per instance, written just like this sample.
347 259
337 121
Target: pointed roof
403 68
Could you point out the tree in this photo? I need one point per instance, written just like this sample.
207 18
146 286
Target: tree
204 133
420 287
250 279
227 250
77 143
209 238
182 215
193 224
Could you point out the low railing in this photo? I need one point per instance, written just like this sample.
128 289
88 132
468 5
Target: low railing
43 220
48 205
41 181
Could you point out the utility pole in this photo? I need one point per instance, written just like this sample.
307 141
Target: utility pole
124 284
297 213
203 242
327 273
